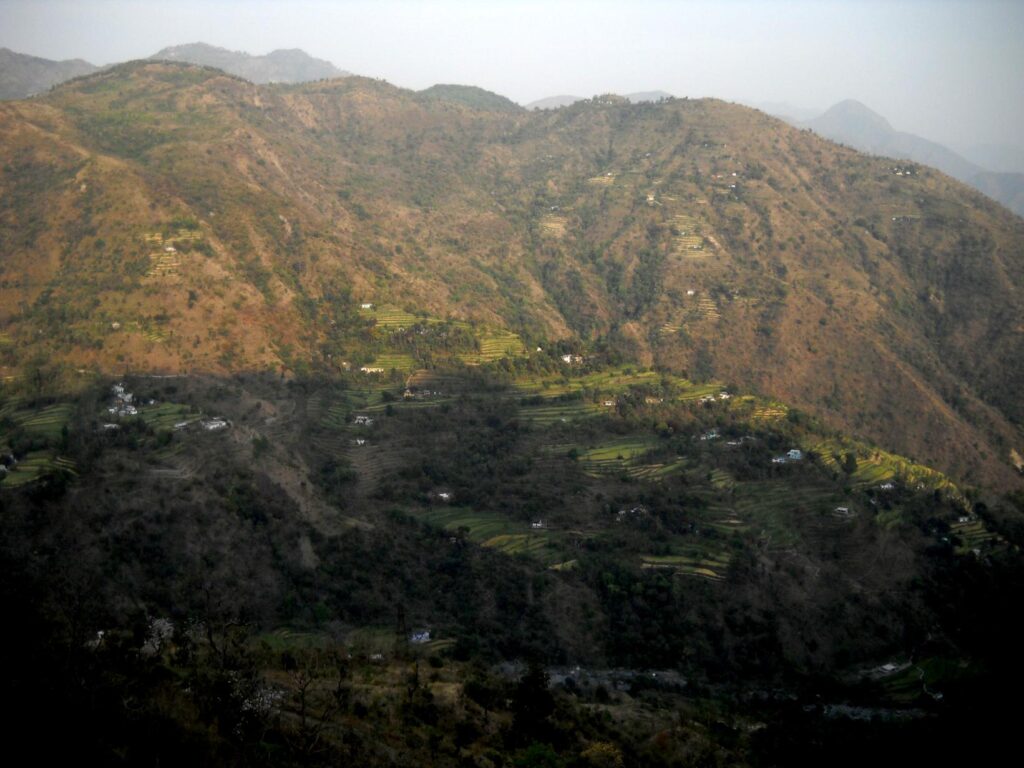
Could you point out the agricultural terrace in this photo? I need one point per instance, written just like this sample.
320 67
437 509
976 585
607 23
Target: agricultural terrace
704 562
553 226
491 343
34 466
489 529
875 466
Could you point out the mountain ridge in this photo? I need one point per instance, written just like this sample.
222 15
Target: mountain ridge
853 123
695 235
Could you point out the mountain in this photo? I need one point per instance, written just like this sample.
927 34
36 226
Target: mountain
280 66
850 122
22 75
170 218
470 96
553 102
642 96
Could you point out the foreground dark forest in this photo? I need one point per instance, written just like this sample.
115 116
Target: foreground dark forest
492 566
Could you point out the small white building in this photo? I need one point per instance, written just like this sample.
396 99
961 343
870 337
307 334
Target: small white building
420 637
363 421
445 496
537 524
366 305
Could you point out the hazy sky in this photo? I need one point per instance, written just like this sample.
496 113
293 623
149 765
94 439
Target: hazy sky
949 70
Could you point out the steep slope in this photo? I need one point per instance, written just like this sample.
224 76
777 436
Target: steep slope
22 75
169 217
853 123
280 66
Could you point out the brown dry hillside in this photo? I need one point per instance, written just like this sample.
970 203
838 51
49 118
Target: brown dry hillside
171 217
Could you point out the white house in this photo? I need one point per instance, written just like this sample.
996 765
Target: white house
795 454
420 637
365 421
537 524
366 305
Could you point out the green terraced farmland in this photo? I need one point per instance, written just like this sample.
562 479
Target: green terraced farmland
697 391
972 534
398 362
618 456
692 561
610 382
497 532
34 466
46 423
391 318
495 344
875 466
166 415
555 413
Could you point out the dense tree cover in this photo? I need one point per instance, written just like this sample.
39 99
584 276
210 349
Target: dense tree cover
146 604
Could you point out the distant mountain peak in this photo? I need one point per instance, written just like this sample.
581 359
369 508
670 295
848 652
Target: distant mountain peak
22 75
284 65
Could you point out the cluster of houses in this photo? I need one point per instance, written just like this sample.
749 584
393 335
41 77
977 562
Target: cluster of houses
572 359
363 421
421 394
904 170
632 513
420 637
124 403
708 399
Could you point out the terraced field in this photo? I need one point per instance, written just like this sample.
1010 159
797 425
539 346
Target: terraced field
705 563
560 412
624 456
553 226
390 318
693 391
973 536
768 506
46 423
166 415
496 532
612 381
397 362
495 344
34 466
875 466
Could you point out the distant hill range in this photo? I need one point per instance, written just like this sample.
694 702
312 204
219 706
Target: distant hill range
555 102
281 66
22 75
854 124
